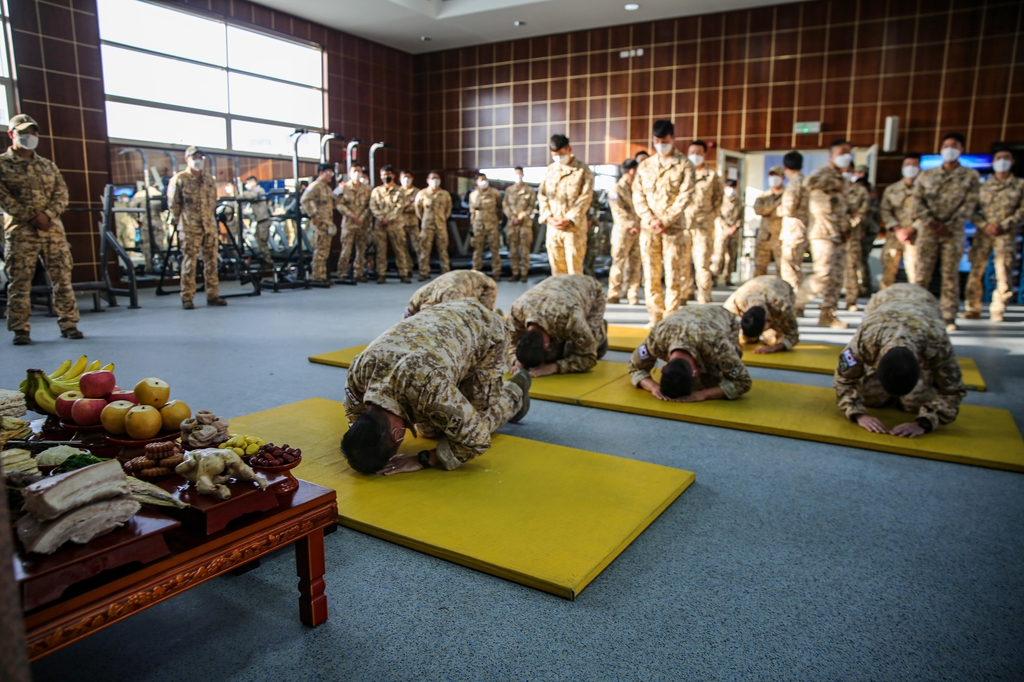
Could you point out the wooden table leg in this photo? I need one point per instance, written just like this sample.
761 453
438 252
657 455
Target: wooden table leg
311 566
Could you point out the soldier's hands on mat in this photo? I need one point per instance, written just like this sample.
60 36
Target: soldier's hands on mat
908 430
543 370
401 464
873 424
774 348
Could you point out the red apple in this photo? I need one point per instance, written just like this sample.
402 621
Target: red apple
121 394
65 401
96 384
88 411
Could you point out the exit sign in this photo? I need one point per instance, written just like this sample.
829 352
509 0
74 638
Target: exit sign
807 127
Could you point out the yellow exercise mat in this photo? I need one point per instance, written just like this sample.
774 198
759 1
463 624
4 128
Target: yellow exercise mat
559 388
818 358
541 515
983 436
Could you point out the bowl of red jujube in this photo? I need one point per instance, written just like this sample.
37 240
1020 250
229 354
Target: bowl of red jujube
278 459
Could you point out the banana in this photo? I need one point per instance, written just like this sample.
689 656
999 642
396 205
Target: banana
30 386
93 366
55 387
109 367
76 370
45 401
60 371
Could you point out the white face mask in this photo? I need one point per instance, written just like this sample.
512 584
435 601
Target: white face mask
250 186
482 184
406 181
950 154
696 159
843 160
561 158
848 176
27 141
774 181
1002 165
434 183
519 179
664 148
910 172
730 191
197 164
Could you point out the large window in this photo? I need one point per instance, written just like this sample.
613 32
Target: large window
177 78
6 91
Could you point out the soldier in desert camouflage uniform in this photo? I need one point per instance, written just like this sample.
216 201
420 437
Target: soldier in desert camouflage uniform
897 212
454 286
259 207
484 206
354 206
563 199
411 223
518 205
944 199
156 216
662 190
765 307
1000 213
192 199
900 356
828 230
705 206
438 373
728 231
318 203
625 238
769 244
699 346
794 212
859 203
433 205
33 196
558 326
387 203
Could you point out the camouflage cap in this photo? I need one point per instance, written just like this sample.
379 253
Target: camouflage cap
21 122
861 169
776 170
193 150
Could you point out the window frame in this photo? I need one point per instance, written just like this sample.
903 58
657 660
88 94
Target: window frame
7 82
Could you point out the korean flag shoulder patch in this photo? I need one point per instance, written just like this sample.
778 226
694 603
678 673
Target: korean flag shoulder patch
643 352
846 360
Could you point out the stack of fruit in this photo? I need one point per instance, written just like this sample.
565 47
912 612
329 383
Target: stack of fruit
42 390
242 445
271 455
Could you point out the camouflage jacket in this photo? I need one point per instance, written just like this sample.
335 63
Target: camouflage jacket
897 206
777 298
29 187
827 205
519 202
566 192
192 200
433 206
907 316
453 286
710 334
155 206
409 209
570 308
708 192
620 200
664 190
732 211
388 203
415 368
354 202
484 207
258 203
1001 203
949 197
318 202
768 207
859 202
795 200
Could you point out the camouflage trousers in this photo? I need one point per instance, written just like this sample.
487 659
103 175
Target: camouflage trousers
24 245
768 246
395 234
874 395
321 238
668 253
723 257
159 235
932 249
567 249
487 237
353 238
625 259
829 257
263 241
851 267
437 237
198 243
701 244
892 251
412 238
520 242
981 246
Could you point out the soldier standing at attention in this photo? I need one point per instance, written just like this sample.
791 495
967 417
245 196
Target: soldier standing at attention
354 206
260 207
454 286
156 215
440 374
318 203
829 228
484 205
859 202
701 354
433 205
564 197
411 224
192 199
518 205
1000 212
625 238
897 210
700 220
765 307
727 234
662 191
793 210
769 244
900 354
387 202
944 199
33 196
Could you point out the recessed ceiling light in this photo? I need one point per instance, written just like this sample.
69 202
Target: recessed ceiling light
425 39
519 23
632 7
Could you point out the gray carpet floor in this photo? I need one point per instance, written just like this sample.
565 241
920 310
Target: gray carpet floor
785 560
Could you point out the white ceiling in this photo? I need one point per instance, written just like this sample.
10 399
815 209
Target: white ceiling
457 23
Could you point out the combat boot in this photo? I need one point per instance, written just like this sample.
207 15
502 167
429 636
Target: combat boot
72 333
996 316
523 380
828 319
970 315
216 301
188 305
22 338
